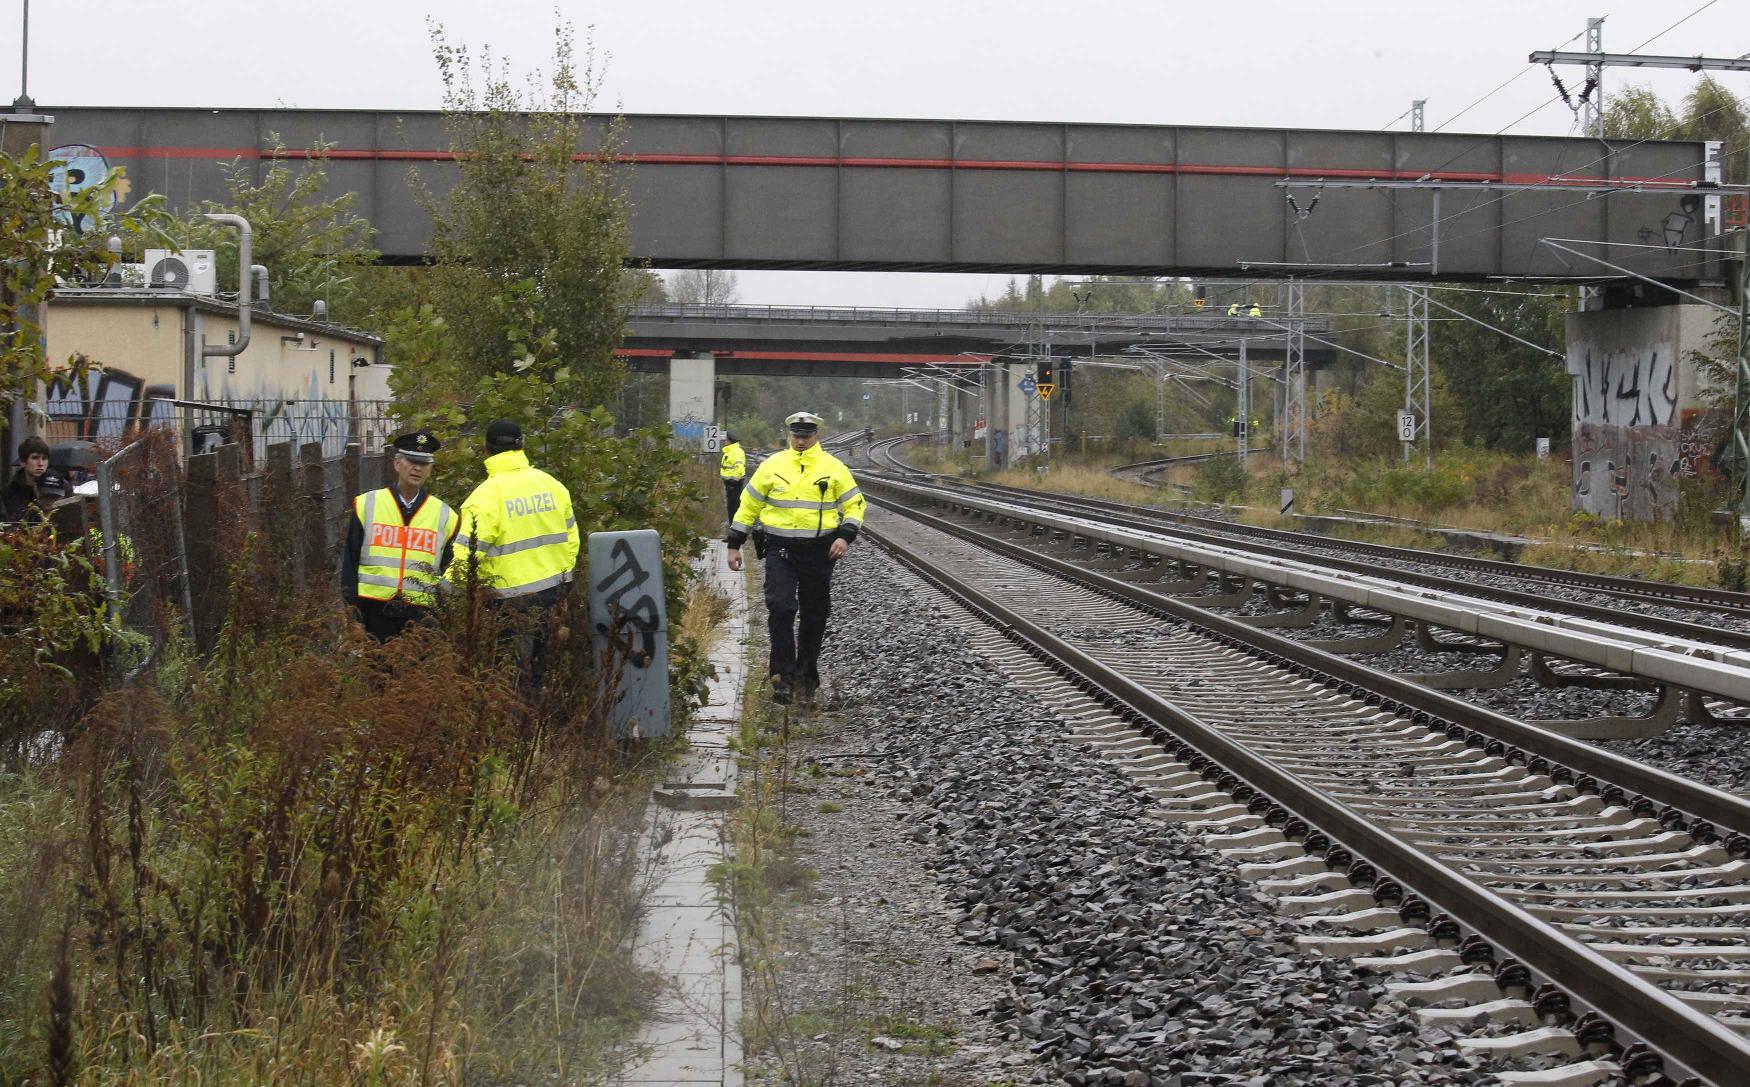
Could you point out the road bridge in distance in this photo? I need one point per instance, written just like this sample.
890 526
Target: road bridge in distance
995 196
875 343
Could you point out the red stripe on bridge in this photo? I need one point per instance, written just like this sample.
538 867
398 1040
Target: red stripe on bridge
220 154
888 357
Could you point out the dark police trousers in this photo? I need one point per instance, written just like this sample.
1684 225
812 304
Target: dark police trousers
731 496
385 619
798 578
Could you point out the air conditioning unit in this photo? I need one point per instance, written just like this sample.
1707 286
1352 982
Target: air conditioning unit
191 270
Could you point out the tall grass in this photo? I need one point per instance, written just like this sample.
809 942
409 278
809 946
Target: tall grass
308 858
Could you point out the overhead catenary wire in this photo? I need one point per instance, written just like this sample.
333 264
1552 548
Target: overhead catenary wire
1673 26
1450 216
1617 150
1499 87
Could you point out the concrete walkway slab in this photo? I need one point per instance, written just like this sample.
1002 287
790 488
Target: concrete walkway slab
688 934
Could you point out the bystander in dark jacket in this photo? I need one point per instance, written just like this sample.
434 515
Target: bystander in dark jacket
34 487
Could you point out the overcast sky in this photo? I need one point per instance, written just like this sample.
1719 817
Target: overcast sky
1306 63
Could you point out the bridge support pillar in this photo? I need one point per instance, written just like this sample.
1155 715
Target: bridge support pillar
692 394
999 422
1643 417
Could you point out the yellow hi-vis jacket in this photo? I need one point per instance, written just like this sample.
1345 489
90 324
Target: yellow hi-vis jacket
519 526
734 463
787 496
400 558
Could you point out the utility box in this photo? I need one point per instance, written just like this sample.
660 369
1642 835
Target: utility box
629 629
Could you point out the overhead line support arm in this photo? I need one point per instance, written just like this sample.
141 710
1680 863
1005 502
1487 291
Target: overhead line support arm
1635 60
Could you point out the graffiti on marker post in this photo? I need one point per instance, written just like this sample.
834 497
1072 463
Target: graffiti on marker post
626 581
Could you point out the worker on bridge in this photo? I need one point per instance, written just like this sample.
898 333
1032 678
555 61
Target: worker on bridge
811 510
733 469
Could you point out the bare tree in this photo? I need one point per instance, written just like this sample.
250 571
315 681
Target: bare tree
703 285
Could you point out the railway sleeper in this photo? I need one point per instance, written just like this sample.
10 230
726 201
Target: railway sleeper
1578 1074
1578 675
1359 615
1377 933
1703 713
1431 642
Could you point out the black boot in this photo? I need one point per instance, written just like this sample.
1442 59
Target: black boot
781 691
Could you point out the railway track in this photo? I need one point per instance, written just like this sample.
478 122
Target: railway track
1557 898
1536 587
1147 472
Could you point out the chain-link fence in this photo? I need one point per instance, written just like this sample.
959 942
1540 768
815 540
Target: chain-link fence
165 532
107 424
142 554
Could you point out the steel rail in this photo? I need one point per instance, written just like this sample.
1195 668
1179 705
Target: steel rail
1653 592
1676 628
1662 593
1696 1041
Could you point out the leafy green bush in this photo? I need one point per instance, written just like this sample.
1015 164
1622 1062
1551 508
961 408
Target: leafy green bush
1220 479
52 626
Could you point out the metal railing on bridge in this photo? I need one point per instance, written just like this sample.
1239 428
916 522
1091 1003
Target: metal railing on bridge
1055 322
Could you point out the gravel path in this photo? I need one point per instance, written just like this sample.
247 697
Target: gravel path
871 983
1040 901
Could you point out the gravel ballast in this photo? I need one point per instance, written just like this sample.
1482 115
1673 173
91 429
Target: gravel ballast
1076 938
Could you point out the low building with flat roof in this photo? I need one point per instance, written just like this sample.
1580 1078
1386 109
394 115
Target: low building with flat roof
298 380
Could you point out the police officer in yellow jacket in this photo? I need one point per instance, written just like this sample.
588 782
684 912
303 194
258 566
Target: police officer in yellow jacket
398 543
811 509
733 469
518 526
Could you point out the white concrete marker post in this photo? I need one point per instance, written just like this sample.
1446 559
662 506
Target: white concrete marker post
629 627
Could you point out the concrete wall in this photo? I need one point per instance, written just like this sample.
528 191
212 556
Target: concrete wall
1639 423
301 391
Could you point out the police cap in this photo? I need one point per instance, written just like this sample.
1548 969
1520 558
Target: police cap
52 484
417 446
803 422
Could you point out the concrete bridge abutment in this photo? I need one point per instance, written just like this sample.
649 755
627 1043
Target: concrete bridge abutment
1642 420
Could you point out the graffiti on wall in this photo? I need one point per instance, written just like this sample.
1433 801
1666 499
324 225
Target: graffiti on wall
1626 388
1701 435
82 167
1674 229
109 405
1627 449
305 413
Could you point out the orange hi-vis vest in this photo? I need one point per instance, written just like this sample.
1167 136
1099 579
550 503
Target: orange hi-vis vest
401 558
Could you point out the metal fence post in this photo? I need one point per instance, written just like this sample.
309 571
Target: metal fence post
313 519
187 593
106 514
